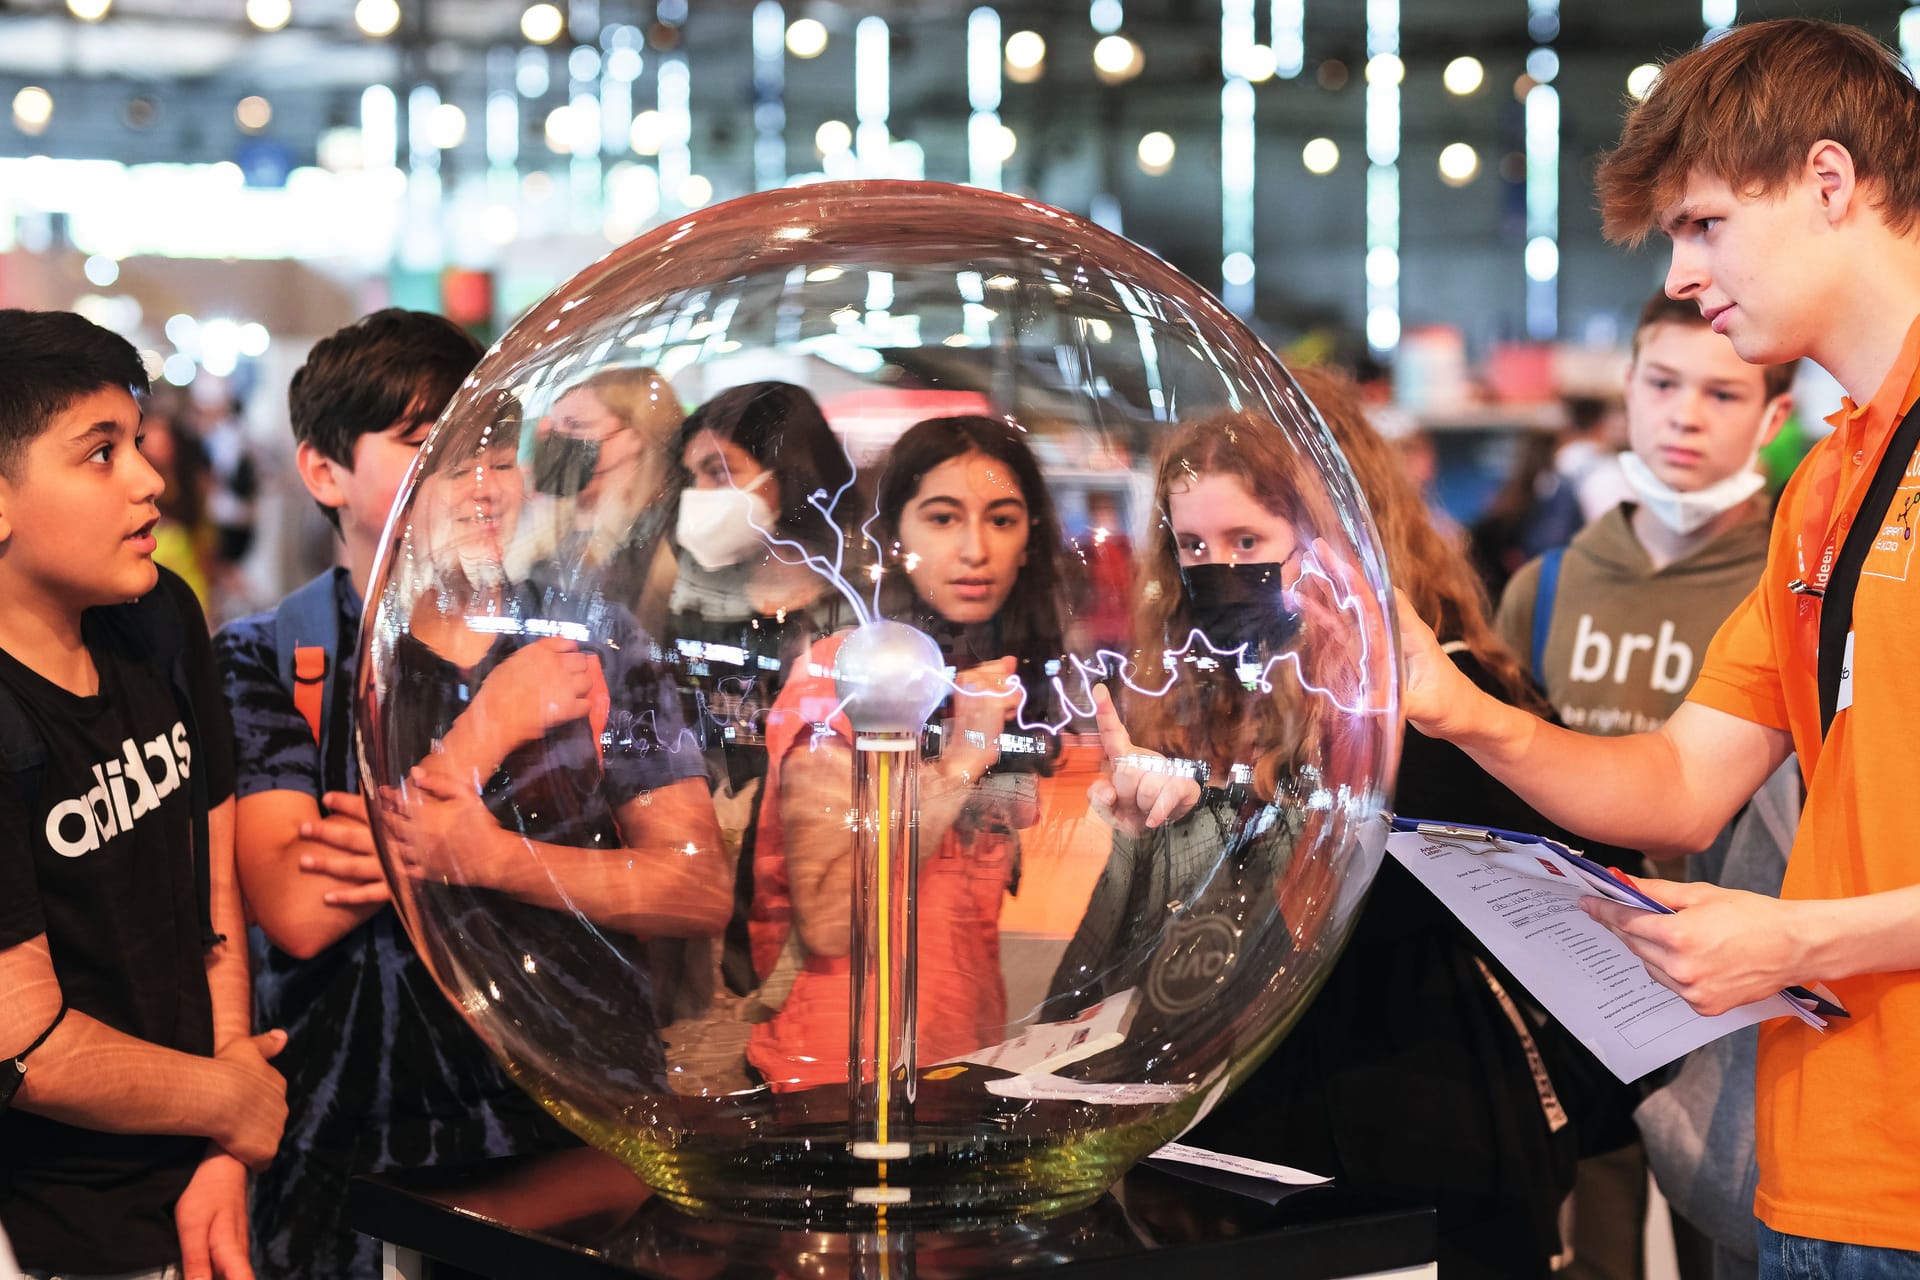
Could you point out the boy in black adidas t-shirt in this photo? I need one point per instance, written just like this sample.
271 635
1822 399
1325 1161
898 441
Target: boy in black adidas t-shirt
126 1148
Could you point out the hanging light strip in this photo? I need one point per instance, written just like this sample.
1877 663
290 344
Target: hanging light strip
1237 153
986 152
1718 15
769 95
1289 38
1384 73
872 91
1541 258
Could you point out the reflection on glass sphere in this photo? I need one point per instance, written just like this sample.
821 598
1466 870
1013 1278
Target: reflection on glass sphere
878 698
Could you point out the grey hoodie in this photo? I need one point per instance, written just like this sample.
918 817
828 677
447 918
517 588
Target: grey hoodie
1627 639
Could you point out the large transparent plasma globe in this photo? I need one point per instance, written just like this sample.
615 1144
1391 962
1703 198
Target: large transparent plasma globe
877 705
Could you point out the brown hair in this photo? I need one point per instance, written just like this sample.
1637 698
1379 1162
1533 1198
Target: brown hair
1433 572
1286 728
1748 107
1660 309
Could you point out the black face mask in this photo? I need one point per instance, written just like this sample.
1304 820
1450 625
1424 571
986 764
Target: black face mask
1241 604
563 465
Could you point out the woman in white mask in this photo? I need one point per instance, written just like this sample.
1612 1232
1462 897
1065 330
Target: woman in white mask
744 604
750 461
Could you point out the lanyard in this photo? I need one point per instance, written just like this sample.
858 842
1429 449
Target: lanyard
1821 523
1825 605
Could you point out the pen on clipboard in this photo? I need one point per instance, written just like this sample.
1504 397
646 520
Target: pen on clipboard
1820 1004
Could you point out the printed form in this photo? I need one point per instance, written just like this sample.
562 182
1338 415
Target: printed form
1522 902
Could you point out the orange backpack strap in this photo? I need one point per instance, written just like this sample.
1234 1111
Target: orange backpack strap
310 685
308 646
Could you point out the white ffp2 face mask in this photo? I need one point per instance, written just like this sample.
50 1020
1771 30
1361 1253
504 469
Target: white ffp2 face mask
719 527
1686 512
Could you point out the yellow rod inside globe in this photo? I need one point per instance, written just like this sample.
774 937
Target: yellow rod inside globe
883 1067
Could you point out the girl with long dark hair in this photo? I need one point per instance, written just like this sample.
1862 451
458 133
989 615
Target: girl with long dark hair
968 544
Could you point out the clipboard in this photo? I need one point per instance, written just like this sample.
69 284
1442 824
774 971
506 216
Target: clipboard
1604 881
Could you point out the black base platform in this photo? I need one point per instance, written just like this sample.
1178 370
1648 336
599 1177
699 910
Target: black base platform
578 1215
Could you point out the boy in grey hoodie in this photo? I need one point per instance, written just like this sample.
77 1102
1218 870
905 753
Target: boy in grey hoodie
1613 627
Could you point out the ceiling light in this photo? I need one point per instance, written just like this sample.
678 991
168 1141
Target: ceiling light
648 134
32 109
1640 80
806 38
542 23
1541 258
89 10
1258 62
376 17
832 136
446 126
1463 76
1320 155
1026 50
1459 164
1116 59
624 64
1385 68
253 113
560 130
695 191
269 15
1383 328
1383 266
1156 153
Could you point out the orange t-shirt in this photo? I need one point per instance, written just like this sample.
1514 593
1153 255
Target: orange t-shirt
1838 1113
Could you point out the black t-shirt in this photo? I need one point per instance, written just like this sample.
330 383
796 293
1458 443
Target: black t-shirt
96 851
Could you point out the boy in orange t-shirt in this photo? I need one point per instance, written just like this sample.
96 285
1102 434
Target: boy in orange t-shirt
1783 163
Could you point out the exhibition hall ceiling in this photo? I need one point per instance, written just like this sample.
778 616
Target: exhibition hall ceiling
162 43
195 81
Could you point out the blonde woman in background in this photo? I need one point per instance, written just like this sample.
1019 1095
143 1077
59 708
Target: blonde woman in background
600 470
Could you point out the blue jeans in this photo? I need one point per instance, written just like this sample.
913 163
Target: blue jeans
1784 1257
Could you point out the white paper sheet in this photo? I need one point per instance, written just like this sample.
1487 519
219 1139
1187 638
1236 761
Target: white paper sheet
1045 1047
1246 1168
1523 905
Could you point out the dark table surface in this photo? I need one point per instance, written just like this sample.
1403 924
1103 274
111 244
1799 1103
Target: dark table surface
579 1214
